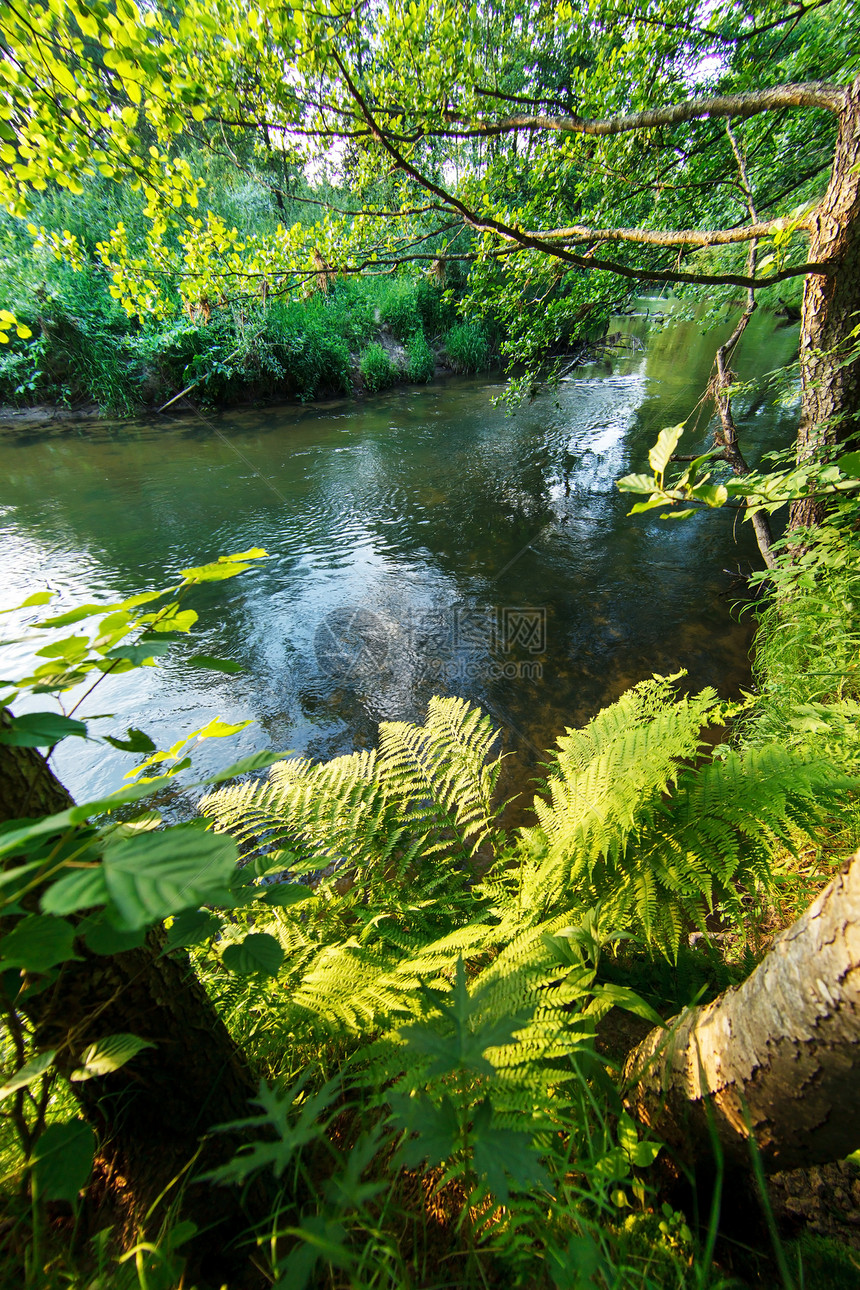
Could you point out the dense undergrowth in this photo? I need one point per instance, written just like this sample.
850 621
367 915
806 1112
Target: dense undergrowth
437 1106
337 335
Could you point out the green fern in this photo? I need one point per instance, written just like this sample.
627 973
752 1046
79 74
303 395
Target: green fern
628 826
631 825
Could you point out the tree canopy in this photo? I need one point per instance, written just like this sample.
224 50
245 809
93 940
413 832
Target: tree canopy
564 154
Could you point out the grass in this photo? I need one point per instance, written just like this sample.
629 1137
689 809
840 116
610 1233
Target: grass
85 350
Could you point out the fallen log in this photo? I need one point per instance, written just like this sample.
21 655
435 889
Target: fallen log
778 1056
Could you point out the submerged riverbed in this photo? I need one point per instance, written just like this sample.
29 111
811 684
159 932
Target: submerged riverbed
419 542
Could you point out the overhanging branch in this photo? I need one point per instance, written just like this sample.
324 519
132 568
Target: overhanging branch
808 94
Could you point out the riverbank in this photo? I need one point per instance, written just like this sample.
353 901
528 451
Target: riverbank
79 351
429 506
384 363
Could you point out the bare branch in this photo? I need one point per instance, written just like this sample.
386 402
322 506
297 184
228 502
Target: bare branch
809 94
660 237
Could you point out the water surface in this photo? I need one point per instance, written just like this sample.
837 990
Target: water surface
487 555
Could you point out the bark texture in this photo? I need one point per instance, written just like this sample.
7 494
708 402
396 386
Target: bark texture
815 94
780 1052
151 1115
830 410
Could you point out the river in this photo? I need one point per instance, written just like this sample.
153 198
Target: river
420 542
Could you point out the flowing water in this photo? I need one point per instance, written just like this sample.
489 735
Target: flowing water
419 542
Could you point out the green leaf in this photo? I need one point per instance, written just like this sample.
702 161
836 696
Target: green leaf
644 1154
103 938
80 889
215 664
678 515
107 1055
621 996
156 874
192 928
139 653
75 615
218 729
137 741
438 1129
667 442
258 952
71 649
500 1153
39 598
283 894
144 598
40 729
257 761
214 572
30 1071
640 507
637 484
182 621
710 494
849 464
38 942
62 1161
13 839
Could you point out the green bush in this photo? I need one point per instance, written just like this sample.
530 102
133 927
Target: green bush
407 304
422 360
435 308
468 348
307 341
398 307
376 369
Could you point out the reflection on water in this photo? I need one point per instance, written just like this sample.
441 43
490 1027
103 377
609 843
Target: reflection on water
487 555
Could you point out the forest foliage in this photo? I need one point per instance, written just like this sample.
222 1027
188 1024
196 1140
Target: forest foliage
418 986
446 1022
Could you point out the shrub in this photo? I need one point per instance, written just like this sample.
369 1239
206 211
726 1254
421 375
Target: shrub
21 376
398 307
435 308
376 369
422 360
468 347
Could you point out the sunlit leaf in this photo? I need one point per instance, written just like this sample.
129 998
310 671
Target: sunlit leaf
75 615
38 598
218 729
30 1071
107 1055
214 572
667 442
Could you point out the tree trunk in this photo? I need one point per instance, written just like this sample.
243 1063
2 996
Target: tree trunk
830 408
151 1115
780 1053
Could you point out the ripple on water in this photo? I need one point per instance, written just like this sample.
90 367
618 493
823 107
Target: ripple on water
438 509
